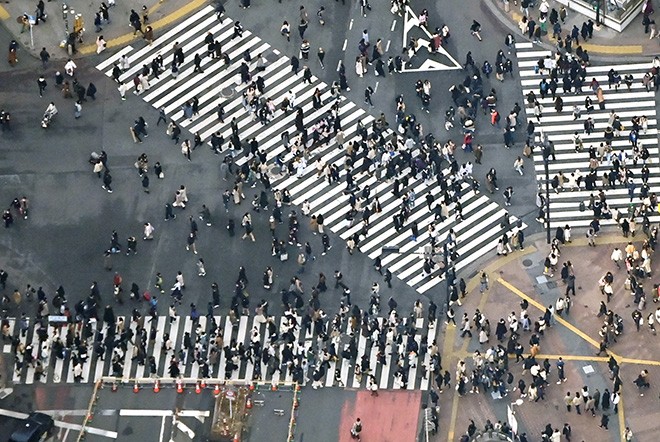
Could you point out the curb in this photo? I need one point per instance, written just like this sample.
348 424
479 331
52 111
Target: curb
597 52
158 24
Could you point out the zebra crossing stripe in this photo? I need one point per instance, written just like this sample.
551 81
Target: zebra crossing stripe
329 199
560 128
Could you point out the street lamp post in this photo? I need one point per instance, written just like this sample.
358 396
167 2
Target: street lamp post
547 199
545 143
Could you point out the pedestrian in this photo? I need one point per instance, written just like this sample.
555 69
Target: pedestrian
483 282
357 425
508 193
321 56
190 243
169 212
107 181
285 30
91 91
101 44
12 56
44 56
201 271
475 29
145 183
186 149
77 109
41 82
368 92
604 421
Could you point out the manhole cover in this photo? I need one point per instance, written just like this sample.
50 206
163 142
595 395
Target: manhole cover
527 262
552 285
227 92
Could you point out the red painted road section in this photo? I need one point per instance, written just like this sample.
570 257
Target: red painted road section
390 417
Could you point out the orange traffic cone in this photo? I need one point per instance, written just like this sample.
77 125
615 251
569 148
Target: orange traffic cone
179 386
136 388
114 387
273 387
203 383
248 403
157 387
198 389
216 390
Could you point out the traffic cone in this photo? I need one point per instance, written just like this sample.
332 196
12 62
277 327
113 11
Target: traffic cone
295 404
216 390
156 386
114 387
202 384
90 416
179 386
236 438
136 388
198 389
273 387
251 386
248 403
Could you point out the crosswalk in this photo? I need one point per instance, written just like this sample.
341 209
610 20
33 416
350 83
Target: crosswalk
477 234
342 372
561 127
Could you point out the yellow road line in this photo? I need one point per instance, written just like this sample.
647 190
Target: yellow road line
482 303
559 319
450 333
163 22
622 417
607 49
4 15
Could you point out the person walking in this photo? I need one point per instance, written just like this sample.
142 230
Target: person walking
107 181
145 183
356 429
190 245
368 92
186 149
41 82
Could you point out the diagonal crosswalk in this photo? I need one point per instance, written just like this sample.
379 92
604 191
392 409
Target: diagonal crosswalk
560 128
477 234
58 366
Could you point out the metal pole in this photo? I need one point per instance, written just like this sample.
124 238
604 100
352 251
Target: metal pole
547 197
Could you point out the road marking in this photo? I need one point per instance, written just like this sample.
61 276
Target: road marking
393 25
162 429
350 25
64 425
559 319
387 47
155 413
186 429
482 304
343 48
4 14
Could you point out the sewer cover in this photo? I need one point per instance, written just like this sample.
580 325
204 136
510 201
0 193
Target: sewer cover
527 262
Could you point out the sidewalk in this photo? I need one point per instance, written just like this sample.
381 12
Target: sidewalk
118 32
574 337
606 42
